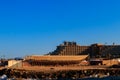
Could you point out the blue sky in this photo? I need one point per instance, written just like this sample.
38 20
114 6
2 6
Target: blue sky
37 26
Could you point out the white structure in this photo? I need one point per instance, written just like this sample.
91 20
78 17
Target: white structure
15 63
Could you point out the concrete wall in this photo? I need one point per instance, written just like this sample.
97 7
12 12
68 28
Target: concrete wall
15 63
25 63
58 58
111 62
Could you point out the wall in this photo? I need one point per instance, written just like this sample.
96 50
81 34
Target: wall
15 63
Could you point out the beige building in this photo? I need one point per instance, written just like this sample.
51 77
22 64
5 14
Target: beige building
94 50
15 63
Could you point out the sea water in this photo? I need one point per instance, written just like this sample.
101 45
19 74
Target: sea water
4 77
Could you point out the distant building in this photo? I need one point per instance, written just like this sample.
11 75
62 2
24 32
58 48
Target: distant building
15 63
70 53
94 50
70 48
53 60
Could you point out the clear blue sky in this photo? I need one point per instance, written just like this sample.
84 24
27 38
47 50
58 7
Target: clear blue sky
37 26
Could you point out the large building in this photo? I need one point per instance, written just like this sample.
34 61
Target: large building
94 50
70 53
70 48
54 60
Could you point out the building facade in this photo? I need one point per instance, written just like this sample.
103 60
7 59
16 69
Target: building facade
94 50
70 48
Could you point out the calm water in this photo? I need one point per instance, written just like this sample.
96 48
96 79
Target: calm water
104 78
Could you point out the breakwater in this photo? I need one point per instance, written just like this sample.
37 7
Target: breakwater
62 74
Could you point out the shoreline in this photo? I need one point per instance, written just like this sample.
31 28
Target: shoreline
62 71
